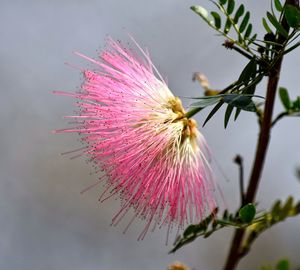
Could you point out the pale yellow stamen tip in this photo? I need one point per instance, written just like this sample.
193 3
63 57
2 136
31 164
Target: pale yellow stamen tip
176 106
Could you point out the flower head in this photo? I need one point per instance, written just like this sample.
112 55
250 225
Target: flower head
136 131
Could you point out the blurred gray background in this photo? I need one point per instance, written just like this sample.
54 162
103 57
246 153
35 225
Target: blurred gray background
44 221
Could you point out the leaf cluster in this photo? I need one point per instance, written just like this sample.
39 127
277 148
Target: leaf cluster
282 264
262 54
239 97
229 17
273 26
245 218
212 223
278 213
275 22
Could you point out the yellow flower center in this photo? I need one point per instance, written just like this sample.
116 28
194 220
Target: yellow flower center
189 125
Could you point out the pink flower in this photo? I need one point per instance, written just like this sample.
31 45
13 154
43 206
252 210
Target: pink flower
135 130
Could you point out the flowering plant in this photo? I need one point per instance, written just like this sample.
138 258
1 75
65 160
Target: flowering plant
150 149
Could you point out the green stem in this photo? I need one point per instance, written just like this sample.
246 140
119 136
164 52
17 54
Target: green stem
192 112
237 49
281 115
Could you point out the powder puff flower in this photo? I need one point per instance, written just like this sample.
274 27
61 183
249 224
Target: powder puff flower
137 132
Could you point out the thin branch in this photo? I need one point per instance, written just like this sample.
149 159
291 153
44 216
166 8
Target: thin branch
239 161
229 45
278 117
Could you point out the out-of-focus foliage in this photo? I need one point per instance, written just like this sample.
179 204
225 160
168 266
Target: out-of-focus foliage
292 107
246 217
229 16
282 264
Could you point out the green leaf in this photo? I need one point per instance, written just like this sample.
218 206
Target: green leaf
292 15
266 26
284 97
278 5
283 265
237 113
244 22
190 230
208 234
249 89
195 230
225 214
248 72
298 172
213 111
276 208
239 13
267 220
296 104
241 101
230 6
297 208
277 25
252 39
206 101
202 12
222 2
227 115
217 19
287 207
247 213
248 30
227 26
292 48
